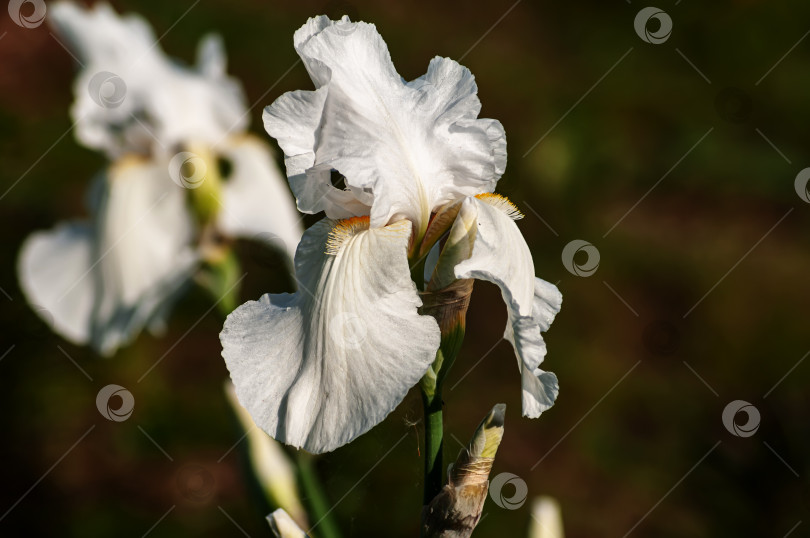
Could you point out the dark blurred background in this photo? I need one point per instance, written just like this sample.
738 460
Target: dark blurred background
675 160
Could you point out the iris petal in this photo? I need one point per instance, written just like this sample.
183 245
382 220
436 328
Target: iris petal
322 366
130 97
500 255
414 145
255 197
102 282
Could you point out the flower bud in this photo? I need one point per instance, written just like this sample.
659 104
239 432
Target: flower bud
458 246
456 510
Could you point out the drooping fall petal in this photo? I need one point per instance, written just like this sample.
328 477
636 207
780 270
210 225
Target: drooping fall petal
59 287
320 367
103 282
500 255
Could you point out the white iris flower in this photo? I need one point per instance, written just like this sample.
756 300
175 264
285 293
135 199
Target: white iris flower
103 279
322 366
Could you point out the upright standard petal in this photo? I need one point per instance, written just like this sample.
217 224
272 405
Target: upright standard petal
256 202
500 255
405 148
129 97
320 367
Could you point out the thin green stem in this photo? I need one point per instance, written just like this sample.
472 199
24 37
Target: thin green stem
434 438
319 508
431 385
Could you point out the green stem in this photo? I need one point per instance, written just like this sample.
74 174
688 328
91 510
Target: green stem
434 437
319 507
431 385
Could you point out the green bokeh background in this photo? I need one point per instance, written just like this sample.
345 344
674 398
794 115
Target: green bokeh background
631 420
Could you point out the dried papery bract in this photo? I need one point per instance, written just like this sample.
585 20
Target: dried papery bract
456 510
449 308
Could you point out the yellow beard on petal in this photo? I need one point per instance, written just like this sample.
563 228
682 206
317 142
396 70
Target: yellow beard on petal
343 230
501 202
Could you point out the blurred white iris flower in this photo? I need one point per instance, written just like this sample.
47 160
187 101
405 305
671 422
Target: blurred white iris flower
320 367
184 179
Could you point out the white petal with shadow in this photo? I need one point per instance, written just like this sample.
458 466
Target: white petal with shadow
320 367
500 255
